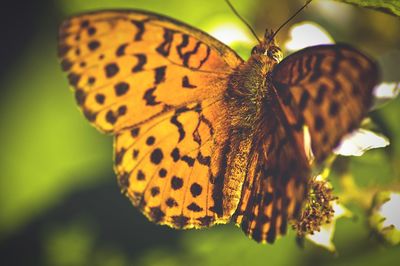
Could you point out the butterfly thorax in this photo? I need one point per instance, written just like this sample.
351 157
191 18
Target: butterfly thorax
249 87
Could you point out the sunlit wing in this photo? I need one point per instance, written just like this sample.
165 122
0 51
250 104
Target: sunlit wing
129 66
157 84
329 89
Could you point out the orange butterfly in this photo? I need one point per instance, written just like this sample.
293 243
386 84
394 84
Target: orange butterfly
202 136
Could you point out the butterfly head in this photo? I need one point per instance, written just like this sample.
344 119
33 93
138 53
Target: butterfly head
268 47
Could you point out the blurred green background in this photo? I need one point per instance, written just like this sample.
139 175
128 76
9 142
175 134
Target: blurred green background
59 199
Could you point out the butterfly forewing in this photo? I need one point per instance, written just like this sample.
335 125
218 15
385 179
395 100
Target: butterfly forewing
127 67
329 89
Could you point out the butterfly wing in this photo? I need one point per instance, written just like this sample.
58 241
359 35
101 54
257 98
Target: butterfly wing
276 180
158 85
129 66
329 89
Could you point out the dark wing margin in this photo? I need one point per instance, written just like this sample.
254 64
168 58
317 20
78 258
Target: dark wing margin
329 89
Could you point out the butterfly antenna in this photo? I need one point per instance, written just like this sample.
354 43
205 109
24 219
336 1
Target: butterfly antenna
289 19
243 20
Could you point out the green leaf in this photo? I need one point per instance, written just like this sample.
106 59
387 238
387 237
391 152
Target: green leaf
391 7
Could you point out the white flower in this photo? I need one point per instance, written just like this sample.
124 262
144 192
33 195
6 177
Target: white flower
385 216
324 237
359 141
306 34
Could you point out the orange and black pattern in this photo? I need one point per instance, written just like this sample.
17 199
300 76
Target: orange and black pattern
202 137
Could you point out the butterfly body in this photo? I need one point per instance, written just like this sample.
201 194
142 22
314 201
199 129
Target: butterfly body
201 136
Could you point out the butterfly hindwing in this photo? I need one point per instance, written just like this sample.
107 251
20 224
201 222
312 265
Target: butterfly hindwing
329 89
167 166
276 181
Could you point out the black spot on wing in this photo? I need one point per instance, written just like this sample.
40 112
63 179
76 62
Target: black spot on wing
204 160
156 214
156 156
123 181
208 51
171 202
135 132
63 49
85 23
91 116
205 221
186 83
189 160
180 221
271 234
119 156
162 173
176 183
305 96
165 47
149 97
121 49
140 29
318 123
111 118
93 45
140 176
73 79
135 154
91 80
186 56
142 60
122 110
321 94
333 108
80 97
174 121
183 44
66 64
100 98
150 140
175 154
154 191
91 31
111 70
196 189
121 88
316 70
194 207
159 75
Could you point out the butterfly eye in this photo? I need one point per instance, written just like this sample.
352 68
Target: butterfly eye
274 53
255 50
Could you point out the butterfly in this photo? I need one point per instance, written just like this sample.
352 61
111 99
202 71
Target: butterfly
203 137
